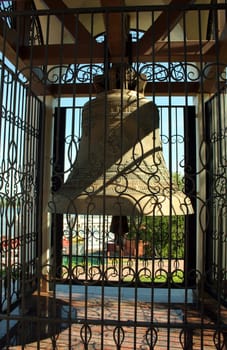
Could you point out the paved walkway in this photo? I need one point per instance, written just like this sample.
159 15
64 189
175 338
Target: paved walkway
157 295
112 318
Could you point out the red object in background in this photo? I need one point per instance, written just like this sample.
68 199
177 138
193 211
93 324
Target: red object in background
65 242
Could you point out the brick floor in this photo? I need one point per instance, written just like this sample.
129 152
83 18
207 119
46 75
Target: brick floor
109 322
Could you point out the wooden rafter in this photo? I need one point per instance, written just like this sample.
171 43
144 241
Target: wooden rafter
8 46
72 24
160 28
23 22
211 83
66 55
116 29
151 47
85 89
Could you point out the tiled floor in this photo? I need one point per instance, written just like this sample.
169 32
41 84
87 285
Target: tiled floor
102 320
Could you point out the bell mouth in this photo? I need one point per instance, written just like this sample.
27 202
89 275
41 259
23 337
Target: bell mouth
124 205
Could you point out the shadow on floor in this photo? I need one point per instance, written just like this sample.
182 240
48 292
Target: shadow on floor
38 318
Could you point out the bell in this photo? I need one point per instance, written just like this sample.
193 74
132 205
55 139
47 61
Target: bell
120 168
119 226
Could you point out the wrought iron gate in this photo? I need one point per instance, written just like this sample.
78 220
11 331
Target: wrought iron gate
20 134
113 176
87 242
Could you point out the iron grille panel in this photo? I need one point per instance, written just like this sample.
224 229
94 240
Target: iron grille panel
66 278
19 155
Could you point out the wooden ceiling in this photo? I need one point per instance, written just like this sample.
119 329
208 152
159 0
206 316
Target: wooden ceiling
152 46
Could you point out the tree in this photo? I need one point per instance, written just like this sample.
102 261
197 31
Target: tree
163 236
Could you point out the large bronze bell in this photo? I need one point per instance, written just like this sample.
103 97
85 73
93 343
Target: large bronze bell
120 169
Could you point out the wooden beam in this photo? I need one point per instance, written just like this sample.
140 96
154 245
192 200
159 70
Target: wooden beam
62 54
161 27
8 38
161 88
117 28
59 54
23 23
178 51
71 23
211 78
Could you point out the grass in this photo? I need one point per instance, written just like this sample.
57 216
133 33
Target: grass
176 277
